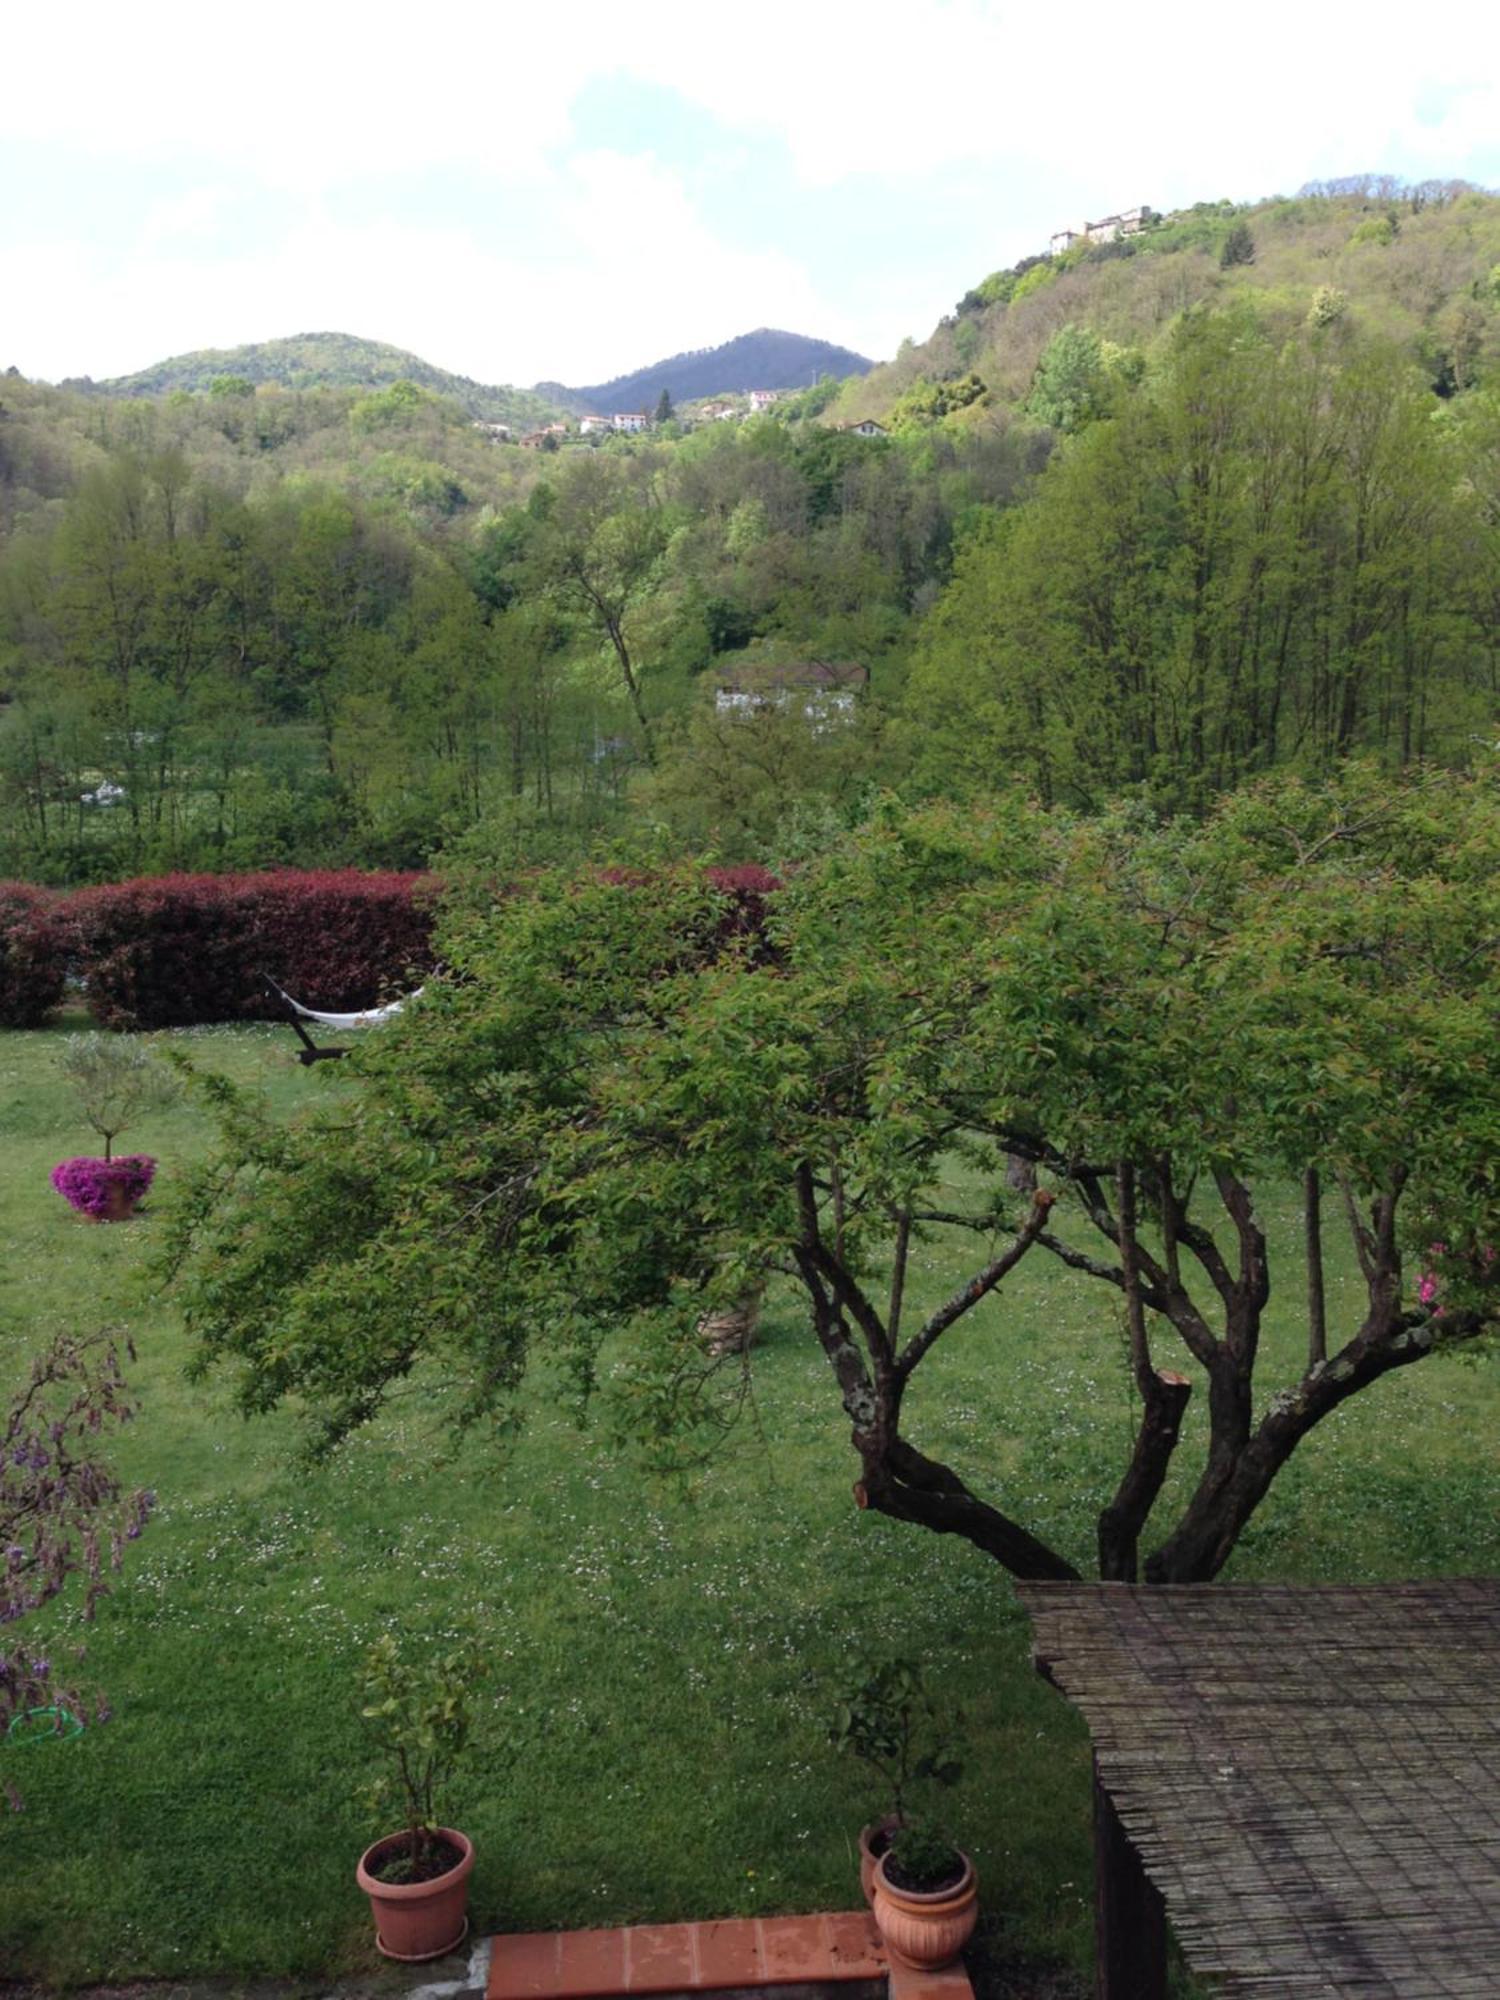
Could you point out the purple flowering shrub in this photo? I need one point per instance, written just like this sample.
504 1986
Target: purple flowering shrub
87 1184
63 1512
1454 1272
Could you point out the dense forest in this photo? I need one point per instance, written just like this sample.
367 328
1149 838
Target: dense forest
1223 499
765 359
324 361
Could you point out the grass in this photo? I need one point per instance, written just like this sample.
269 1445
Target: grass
654 1744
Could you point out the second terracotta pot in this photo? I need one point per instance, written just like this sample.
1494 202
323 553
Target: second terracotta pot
926 1929
874 1839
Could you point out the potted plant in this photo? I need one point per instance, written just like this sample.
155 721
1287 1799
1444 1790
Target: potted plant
417 1880
113 1077
926 1897
906 1861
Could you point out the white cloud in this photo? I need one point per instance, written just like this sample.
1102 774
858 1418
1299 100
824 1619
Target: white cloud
632 263
270 123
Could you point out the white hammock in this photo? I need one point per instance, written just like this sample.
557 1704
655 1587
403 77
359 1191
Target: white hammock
370 1018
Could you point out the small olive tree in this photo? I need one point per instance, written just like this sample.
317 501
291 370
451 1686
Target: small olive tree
621 1109
115 1078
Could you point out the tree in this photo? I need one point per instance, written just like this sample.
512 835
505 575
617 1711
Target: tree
1238 247
63 1512
631 1101
1070 388
114 1078
664 409
599 541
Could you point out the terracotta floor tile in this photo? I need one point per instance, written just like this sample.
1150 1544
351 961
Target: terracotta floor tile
854 1943
524 1967
683 1958
591 1962
952 1983
794 1949
729 1953
659 1958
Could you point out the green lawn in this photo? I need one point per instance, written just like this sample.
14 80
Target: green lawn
655 1742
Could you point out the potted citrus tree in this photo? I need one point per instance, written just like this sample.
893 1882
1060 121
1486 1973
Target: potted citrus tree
417 1879
921 1886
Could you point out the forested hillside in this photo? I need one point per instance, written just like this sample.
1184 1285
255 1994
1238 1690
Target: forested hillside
765 359
1225 503
1413 267
324 361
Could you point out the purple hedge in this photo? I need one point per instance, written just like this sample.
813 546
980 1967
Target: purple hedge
33 955
171 951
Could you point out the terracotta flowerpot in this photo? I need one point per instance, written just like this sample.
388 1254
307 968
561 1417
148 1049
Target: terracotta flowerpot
119 1204
417 1920
925 1930
874 1839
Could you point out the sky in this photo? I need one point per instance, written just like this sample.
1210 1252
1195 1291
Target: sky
572 189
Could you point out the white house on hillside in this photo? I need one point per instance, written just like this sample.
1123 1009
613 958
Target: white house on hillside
587 426
823 690
762 399
1108 229
630 420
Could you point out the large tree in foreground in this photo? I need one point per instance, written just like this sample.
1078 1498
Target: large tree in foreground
628 1102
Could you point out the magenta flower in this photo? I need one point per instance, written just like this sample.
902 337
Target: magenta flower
89 1185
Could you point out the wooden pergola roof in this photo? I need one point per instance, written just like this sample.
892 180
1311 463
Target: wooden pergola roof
1310 1776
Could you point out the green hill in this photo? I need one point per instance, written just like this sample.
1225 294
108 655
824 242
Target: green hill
765 359
1419 267
327 361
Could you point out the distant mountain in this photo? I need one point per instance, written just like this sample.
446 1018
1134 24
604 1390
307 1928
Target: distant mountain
327 361
765 359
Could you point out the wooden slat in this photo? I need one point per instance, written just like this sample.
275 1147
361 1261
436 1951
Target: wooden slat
1310 1776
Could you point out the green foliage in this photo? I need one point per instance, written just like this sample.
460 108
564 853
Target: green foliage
114 1078
929 402
1380 229
615 1116
310 362
890 1723
241 1626
1071 387
419 1710
1271 555
1035 280
384 407
1238 247
923 1855
1329 305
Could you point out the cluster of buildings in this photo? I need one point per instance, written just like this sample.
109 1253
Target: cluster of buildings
1108 229
628 422
823 692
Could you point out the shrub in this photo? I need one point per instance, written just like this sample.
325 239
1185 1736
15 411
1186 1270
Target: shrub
33 956
174 950
88 1185
63 1514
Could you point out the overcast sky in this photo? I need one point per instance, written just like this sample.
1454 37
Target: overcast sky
573 188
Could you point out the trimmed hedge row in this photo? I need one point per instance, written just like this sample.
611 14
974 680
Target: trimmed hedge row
172 951
33 955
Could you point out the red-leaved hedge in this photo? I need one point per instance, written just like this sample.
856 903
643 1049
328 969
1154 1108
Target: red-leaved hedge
171 951
33 955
